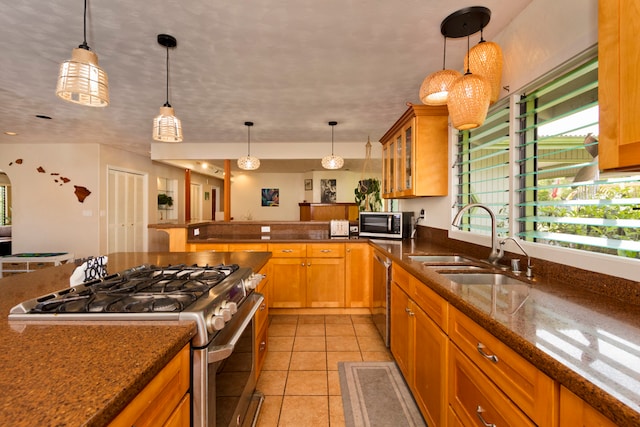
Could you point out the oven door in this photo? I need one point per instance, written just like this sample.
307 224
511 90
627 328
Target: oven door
224 378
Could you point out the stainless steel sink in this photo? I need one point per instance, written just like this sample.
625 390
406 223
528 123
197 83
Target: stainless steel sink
439 258
447 267
483 279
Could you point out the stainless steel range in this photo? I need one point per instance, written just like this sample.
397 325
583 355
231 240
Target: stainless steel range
219 299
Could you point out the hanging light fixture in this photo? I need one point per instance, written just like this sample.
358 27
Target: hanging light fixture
81 80
332 161
248 162
166 126
435 87
487 62
469 96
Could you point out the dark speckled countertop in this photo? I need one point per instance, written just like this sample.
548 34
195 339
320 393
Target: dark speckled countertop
85 373
588 342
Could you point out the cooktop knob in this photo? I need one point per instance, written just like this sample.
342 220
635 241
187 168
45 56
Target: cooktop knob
215 323
232 306
223 312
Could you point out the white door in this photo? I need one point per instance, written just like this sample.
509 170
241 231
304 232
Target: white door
196 202
126 212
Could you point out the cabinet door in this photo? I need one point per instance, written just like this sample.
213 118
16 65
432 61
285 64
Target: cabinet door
407 158
385 170
430 369
325 282
248 247
358 275
578 413
288 282
213 247
401 338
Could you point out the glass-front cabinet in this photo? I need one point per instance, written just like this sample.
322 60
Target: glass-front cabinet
415 154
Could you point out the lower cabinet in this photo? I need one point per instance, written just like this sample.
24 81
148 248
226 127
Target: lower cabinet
358 274
165 401
576 412
261 320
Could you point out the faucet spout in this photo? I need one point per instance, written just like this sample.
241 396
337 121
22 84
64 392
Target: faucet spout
496 249
529 271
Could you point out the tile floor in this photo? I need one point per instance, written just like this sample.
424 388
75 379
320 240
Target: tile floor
300 374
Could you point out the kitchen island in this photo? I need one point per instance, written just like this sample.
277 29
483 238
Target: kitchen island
86 372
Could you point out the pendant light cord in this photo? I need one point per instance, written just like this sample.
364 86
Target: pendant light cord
444 54
248 141
84 44
167 103
468 58
332 139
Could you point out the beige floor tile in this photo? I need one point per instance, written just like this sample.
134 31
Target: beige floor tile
310 330
282 330
371 344
280 343
308 361
284 318
338 318
361 318
377 356
270 411
271 383
333 357
336 412
277 361
309 344
342 344
311 318
304 411
306 383
339 329
333 381
366 330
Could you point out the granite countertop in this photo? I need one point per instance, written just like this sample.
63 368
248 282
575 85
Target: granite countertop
587 342
85 373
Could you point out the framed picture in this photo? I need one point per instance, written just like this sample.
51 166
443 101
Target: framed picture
271 197
308 184
327 190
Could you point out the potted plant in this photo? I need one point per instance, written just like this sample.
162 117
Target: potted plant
164 200
368 195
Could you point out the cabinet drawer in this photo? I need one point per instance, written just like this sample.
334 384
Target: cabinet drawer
39 265
288 250
404 279
16 266
331 250
433 304
473 396
534 392
248 247
213 247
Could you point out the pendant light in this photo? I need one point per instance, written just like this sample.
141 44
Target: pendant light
487 62
166 126
332 161
469 96
80 79
435 87
248 162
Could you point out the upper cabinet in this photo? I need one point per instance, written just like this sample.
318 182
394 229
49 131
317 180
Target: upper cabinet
619 84
414 154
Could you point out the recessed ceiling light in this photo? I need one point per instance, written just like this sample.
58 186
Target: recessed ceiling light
42 116
11 133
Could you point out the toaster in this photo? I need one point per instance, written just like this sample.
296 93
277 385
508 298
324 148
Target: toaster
339 228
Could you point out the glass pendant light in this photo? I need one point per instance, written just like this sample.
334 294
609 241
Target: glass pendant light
80 79
166 126
487 62
332 161
435 87
248 162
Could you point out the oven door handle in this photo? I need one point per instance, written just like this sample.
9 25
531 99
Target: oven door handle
221 352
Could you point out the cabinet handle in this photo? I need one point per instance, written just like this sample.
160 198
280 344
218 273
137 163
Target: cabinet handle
302 264
479 412
325 251
287 251
263 306
263 345
491 357
409 312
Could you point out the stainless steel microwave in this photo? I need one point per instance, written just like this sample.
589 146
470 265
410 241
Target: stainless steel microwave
389 225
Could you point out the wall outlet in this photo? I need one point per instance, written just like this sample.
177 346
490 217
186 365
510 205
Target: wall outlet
265 229
196 231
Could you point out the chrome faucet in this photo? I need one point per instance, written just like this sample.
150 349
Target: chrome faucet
529 271
496 249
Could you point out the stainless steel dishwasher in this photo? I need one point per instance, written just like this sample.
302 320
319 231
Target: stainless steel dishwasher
381 294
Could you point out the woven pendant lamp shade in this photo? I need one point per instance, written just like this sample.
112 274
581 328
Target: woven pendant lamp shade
486 60
332 161
435 87
82 81
468 101
248 162
166 126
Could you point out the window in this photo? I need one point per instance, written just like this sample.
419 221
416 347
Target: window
563 199
482 166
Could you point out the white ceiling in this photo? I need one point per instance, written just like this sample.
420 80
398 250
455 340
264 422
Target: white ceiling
290 66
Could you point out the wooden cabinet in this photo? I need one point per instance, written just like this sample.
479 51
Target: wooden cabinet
328 211
419 347
248 247
212 247
358 275
530 390
261 320
619 84
576 412
165 401
415 154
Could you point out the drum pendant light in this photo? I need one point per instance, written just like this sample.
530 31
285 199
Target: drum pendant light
435 87
80 79
487 62
248 162
332 161
166 126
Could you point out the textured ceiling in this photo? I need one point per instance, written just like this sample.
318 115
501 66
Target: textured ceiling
290 66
